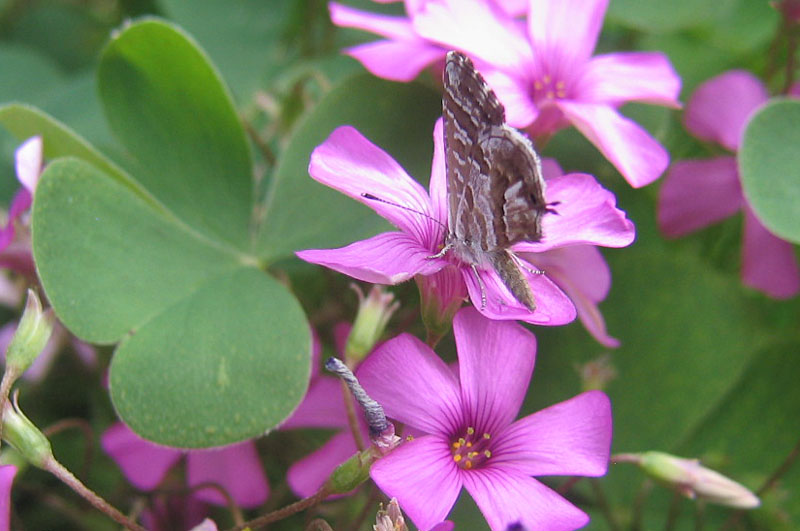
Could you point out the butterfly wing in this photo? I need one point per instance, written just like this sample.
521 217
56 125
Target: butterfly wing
494 179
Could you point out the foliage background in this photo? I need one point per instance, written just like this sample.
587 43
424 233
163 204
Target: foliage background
707 367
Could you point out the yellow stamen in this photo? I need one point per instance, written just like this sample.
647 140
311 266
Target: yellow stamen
487 453
470 431
457 458
487 436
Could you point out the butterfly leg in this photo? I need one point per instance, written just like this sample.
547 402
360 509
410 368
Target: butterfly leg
524 265
483 288
443 251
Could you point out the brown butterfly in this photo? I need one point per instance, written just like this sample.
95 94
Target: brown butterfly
495 187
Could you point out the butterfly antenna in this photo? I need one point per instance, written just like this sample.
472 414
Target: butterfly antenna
549 207
375 198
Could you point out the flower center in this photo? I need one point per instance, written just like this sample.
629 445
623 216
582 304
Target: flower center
546 88
471 450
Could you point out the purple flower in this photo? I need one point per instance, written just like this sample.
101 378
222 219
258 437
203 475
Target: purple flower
323 407
697 193
348 162
236 468
472 440
15 244
541 69
7 473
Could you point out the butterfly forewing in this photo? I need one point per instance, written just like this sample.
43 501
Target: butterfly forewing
494 182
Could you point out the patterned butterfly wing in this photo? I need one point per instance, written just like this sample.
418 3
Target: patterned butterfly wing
494 179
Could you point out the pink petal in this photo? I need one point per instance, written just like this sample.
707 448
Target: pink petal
322 407
143 463
423 477
769 263
631 149
697 193
413 385
397 60
495 360
586 213
19 205
237 469
507 498
306 476
28 162
571 438
584 276
719 108
383 25
617 78
564 33
495 301
551 168
477 28
388 258
438 182
353 165
513 8
7 473
513 91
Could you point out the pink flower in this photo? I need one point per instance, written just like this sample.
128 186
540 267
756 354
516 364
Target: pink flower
15 244
323 407
541 69
236 468
581 272
7 473
472 440
348 162
697 193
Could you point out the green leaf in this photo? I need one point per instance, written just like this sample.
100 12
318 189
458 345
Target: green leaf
660 17
169 107
242 368
194 316
24 122
33 74
212 350
303 214
769 164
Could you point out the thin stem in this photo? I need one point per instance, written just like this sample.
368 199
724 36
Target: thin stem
58 470
265 150
9 377
88 436
674 511
285 512
602 503
791 54
638 504
352 419
238 517
768 484
568 484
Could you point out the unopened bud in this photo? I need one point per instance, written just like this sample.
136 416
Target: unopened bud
374 312
32 334
390 518
692 480
441 296
26 438
352 472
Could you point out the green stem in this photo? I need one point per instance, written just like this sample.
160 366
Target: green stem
602 503
58 470
285 512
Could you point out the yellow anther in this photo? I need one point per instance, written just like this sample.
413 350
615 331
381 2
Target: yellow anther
472 455
457 458
469 445
461 440
487 436
409 437
468 465
487 453
470 431
456 445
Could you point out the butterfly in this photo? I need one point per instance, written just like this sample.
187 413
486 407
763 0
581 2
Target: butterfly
495 187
